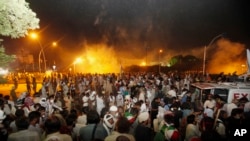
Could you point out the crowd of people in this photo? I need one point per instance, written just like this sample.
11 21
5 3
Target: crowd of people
111 107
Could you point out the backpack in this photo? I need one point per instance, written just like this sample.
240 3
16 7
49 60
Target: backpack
160 136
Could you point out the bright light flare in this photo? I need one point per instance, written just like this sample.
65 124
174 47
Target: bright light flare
54 44
143 64
33 35
78 60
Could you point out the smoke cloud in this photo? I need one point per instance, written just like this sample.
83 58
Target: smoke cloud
227 57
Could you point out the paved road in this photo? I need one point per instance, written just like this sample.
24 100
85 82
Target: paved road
5 89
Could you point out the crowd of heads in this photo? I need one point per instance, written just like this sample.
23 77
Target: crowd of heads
71 104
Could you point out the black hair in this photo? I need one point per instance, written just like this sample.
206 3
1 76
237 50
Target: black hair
19 113
85 110
52 124
104 111
122 125
70 120
41 108
169 118
93 117
236 111
6 97
122 138
22 123
73 111
190 119
34 115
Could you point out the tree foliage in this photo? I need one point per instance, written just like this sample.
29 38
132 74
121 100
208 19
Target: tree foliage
16 18
4 58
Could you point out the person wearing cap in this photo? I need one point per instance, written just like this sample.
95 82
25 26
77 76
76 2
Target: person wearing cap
127 102
142 130
113 110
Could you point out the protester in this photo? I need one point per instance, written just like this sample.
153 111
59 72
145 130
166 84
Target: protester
142 131
23 134
121 128
52 128
93 129
192 129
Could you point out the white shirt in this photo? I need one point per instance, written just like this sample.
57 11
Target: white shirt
229 107
58 136
85 101
172 93
99 104
24 135
209 104
191 131
247 107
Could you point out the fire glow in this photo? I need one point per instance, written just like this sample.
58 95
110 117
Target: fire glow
98 59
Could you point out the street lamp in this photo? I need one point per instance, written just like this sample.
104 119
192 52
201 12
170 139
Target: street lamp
35 37
160 51
42 52
42 48
205 51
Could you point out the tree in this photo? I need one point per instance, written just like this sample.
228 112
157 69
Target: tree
16 18
4 58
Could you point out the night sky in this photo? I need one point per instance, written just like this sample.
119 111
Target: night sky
130 26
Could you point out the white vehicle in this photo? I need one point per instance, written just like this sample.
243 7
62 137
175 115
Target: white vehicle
227 91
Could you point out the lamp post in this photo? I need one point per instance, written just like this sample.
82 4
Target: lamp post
42 52
160 51
205 52
35 37
42 48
